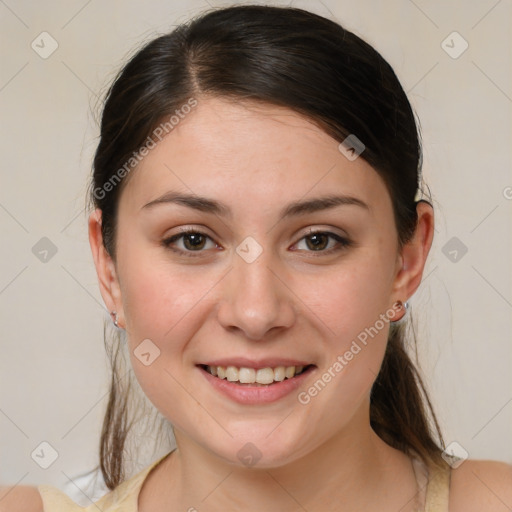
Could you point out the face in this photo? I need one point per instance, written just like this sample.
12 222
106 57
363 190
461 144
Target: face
253 287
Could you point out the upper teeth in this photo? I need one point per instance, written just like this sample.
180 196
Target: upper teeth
250 375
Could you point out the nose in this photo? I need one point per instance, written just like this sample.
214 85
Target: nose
256 298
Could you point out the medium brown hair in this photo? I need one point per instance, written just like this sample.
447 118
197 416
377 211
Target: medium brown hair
285 57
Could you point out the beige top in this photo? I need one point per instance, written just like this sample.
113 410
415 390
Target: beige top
433 485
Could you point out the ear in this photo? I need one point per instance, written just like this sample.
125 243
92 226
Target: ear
105 268
412 258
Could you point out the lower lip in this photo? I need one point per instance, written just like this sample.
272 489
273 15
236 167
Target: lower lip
247 394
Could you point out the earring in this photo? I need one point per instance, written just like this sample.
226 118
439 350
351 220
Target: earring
114 315
401 306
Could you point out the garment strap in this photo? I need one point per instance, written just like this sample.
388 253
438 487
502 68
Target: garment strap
433 486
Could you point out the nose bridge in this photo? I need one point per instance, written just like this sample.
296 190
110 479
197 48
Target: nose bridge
255 300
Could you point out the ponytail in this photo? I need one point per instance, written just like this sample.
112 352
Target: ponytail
401 413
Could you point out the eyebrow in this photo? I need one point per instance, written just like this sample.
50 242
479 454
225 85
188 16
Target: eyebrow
294 209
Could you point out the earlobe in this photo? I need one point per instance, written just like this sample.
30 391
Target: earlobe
105 267
414 254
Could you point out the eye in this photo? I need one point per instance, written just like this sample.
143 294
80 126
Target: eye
317 241
193 241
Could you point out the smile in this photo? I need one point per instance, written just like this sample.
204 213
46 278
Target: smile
263 376
255 385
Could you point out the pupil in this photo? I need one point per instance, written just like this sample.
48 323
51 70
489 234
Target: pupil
316 237
195 238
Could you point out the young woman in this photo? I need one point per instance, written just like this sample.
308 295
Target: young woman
257 231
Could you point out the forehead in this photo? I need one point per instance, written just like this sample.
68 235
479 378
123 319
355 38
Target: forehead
256 156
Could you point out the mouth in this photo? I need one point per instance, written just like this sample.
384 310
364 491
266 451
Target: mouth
246 376
256 385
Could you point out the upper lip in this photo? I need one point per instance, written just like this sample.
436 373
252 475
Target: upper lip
243 362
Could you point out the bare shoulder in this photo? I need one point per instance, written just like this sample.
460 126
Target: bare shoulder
21 498
481 485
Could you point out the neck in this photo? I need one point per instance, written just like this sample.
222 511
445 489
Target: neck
353 470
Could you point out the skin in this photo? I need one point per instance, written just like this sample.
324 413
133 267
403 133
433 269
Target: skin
256 160
291 301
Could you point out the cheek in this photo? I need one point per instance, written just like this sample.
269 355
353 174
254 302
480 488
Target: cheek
157 298
161 310
352 304
166 306
350 298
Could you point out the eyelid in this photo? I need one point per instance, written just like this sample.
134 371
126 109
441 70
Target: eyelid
327 230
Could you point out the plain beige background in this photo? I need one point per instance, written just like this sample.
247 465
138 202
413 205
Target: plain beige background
53 366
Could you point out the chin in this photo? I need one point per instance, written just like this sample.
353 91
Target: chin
259 451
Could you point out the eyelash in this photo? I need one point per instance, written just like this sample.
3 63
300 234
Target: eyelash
167 243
